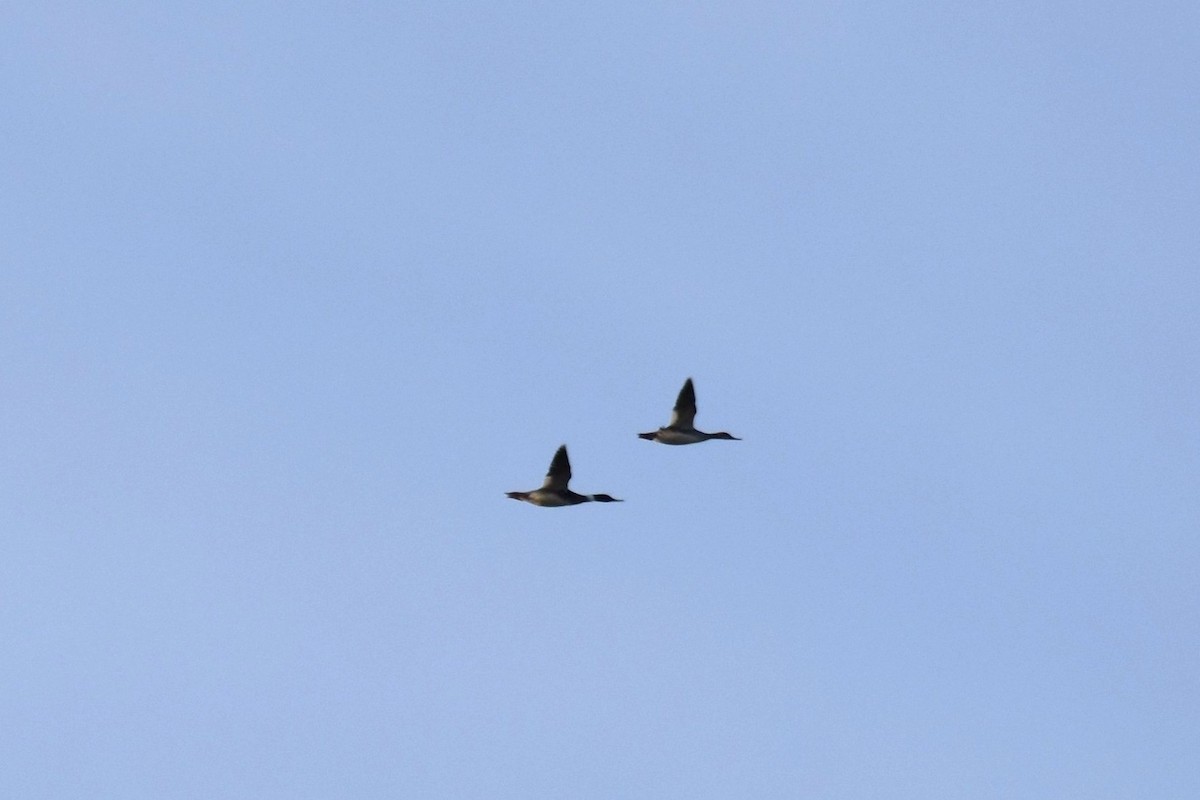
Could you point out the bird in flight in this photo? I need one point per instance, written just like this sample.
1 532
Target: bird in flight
681 429
554 491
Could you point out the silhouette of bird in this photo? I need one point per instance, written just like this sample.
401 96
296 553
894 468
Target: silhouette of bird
681 429
554 491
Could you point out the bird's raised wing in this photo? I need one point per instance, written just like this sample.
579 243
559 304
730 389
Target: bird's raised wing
684 413
560 471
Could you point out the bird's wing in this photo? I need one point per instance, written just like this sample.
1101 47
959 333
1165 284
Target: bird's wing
560 471
684 414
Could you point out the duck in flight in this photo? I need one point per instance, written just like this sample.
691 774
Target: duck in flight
681 429
554 491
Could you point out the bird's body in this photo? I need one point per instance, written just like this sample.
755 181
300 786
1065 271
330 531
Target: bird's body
554 492
682 429
669 435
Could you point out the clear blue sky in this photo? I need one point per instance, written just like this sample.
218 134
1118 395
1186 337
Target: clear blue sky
291 294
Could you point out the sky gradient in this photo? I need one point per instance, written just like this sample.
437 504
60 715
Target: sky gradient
292 294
